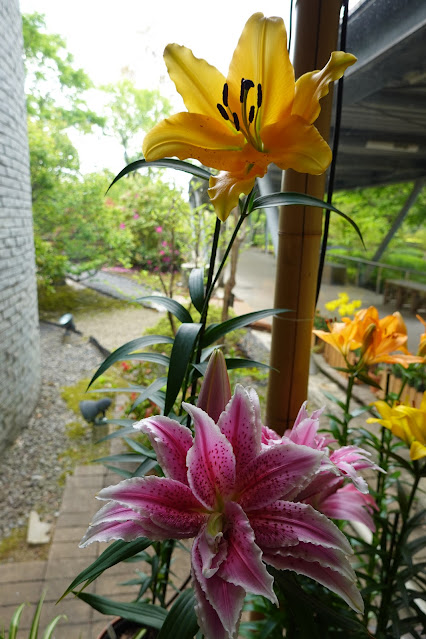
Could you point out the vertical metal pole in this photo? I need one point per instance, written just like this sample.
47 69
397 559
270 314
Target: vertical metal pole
316 32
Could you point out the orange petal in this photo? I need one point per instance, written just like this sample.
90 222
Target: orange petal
261 56
189 135
293 144
225 190
313 86
199 83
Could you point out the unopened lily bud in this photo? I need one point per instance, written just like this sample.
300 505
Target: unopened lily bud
215 390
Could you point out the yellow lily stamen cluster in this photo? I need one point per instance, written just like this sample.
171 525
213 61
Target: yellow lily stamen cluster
247 120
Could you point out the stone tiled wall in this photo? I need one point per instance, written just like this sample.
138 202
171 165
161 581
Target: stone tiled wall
19 333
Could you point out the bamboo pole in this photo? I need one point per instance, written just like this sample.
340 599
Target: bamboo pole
316 32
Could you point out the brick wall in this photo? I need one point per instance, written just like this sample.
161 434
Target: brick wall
19 334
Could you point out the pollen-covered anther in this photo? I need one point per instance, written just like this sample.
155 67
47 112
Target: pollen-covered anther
222 111
236 121
225 94
259 96
251 115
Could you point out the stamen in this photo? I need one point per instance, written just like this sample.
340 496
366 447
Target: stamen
242 91
225 94
222 112
259 96
251 114
236 121
248 84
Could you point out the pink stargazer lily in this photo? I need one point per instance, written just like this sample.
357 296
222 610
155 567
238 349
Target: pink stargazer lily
237 498
327 491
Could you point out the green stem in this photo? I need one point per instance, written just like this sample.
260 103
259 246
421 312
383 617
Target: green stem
395 555
347 416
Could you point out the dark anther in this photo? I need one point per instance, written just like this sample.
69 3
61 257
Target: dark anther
242 91
236 121
248 84
225 94
222 112
251 114
259 96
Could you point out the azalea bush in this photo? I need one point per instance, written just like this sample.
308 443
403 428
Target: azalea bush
272 517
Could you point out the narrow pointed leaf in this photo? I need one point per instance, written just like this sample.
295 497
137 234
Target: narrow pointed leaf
36 619
120 353
146 393
196 288
181 622
290 198
166 163
156 358
14 622
118 551
174 307
180 357
233 363
52 625
216 331
144 614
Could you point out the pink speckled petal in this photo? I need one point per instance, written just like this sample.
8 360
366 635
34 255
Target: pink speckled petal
278 472
171 442
169 504
349 504
208 619
223 597
244 566
211 462
242 427
335 579
285 524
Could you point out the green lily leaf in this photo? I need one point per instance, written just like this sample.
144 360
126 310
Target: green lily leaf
171 305
180 357
181 622
122 352
14 622
116 552
154 386
157 358
216 331
144 614
233 363
196 288
165 163
285 199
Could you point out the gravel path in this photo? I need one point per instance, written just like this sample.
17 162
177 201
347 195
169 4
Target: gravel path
31 467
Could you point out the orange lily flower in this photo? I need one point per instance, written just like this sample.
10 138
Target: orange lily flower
257 115
377 338
422 344
405 422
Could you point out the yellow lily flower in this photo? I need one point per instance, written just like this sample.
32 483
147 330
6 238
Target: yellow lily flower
405 422
257 115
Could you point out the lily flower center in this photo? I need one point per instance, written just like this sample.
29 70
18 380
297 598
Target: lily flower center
248 122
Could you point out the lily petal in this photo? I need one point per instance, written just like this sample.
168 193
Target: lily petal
350 504
331 579
295 144
225 598
286 524
208 619
171 442
276 473
225 190
114 521
313 86
192 135
211 461
241 427
244 566
261 56
170 504
199 83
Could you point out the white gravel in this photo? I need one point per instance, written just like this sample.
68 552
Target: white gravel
30 468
